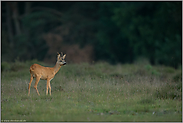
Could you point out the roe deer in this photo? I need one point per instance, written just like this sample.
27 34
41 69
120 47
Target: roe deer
45 73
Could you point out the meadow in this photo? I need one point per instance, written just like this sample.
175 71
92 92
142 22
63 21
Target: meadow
93 92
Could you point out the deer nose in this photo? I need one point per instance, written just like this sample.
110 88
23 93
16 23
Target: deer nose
64 63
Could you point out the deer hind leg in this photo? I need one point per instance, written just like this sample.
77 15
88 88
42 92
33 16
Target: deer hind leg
36 83
30 84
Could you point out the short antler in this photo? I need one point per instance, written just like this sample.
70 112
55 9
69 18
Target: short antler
62 54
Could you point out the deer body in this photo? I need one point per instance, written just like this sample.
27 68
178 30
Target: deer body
45 73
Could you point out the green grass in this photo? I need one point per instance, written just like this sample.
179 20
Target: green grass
98 92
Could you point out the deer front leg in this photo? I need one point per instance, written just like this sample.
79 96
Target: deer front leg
48 86
30 85
36 83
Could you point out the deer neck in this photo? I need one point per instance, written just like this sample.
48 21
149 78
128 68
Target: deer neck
56 68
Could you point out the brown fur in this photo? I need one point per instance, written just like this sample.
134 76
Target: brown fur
45 73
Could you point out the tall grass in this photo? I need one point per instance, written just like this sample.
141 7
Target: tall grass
93 92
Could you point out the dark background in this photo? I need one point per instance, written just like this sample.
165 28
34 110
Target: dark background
116 32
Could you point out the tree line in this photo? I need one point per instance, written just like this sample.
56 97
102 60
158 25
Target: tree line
118 32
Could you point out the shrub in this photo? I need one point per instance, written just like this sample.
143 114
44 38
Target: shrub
177 77
17 65
5 66
148 67
169 70
170 91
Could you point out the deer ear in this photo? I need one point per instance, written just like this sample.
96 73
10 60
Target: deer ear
64 56
58 55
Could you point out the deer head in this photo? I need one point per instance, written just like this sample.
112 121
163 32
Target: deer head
60 59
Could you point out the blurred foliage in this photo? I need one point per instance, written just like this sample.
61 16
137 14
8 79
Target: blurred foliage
178 77
118 31
152 30
5 66
18 66
170 91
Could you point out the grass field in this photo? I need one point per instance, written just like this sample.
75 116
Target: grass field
93 92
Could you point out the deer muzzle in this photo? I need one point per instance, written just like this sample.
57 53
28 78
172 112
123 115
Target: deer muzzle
64 63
